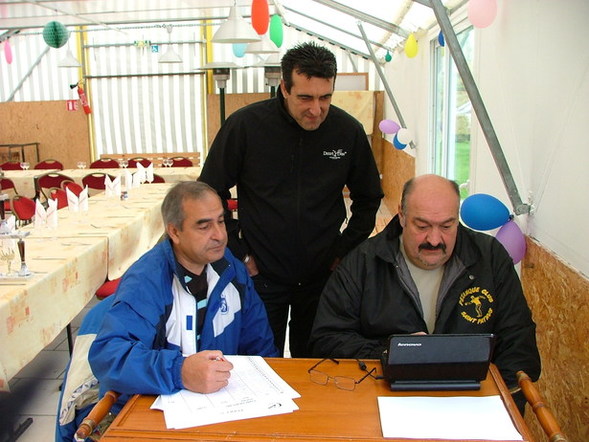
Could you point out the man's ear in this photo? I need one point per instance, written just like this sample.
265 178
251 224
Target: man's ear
172 232
283 88
401 216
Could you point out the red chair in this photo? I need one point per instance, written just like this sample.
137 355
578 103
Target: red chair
143 161
108 288
104 163
158 179
60 196
23 208
181 162
50 180
74 187
49 164
232 204
7 186
11 165
95 180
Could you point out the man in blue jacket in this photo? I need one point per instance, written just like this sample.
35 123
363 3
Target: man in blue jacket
181 307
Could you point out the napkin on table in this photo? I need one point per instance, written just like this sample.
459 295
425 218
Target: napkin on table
112 187
51 213
72 200
40 214
83 199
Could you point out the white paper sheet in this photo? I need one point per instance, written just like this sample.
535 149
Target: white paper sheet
464 417
254 390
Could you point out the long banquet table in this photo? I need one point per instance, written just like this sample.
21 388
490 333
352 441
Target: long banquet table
170 174
69 263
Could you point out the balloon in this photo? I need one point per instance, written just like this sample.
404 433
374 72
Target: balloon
397 143
8 51
441 39
388 126
276 34
512 238
239 49
483 212
55 34
411 46
404 136
260 16
481 13
388 57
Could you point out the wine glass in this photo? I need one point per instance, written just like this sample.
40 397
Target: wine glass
7 253
24 165
24 270
123 163
167 162
81 164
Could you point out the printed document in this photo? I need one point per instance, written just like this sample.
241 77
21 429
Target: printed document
254 390
459 417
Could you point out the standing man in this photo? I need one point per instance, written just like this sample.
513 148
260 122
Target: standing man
426 273
291 157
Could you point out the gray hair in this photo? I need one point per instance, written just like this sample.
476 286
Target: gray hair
172 212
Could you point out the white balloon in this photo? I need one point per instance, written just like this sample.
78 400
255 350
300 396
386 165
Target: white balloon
404 136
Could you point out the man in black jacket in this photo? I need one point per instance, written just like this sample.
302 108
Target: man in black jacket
426 273
291 157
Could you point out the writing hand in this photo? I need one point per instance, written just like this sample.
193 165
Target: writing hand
206 371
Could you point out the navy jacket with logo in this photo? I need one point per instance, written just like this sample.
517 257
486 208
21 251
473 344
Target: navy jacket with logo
371 296
289 185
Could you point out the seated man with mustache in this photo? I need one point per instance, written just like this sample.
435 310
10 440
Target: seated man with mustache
426 273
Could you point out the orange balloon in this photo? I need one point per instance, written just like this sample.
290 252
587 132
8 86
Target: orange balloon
260 16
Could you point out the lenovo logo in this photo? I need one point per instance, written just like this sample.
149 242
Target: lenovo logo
409 344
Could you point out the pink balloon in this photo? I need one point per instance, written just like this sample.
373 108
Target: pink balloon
481 13
512 238
8 52
388 126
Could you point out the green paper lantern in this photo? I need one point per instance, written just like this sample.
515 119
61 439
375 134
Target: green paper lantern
276 33
55 34
388 57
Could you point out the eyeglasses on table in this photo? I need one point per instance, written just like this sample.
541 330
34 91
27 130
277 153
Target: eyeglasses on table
341 382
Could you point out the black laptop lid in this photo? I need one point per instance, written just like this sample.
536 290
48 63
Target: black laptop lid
437 362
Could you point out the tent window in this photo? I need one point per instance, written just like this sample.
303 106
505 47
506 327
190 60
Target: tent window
451 114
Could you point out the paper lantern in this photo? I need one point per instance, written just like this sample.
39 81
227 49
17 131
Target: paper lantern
388 126
260 16
8 52
512 238
276 32
388 57
483 212
239 49
55 34
411 46
482 13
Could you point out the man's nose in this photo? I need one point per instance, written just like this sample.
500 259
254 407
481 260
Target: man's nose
218 231
434 237
315 107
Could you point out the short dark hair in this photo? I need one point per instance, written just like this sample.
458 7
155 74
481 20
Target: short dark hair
408 187
308 59
172 211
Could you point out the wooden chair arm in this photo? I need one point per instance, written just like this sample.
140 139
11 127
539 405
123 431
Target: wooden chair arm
544 415
98 412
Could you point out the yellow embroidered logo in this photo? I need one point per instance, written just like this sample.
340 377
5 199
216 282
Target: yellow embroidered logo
477 305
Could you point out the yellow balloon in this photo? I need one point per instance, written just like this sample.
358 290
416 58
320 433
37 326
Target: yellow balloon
411 46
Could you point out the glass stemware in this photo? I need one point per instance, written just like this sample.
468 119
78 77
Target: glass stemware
123 163
81 164
24 165
7 254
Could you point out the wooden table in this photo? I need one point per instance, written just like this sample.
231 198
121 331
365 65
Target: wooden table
326 413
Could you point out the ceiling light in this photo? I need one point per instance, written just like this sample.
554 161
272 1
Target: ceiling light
170 56
69 61
264 46
235 30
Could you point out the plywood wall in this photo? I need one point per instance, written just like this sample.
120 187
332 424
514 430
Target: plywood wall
62 134
557 295
397 168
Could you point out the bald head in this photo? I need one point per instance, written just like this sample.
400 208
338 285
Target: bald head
428 214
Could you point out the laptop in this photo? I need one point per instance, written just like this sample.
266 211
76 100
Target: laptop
437 362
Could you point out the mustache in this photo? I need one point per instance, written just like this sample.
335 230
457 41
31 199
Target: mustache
428 246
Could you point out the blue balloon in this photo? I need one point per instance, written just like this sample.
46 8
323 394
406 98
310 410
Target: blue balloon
483 212
441 39
398 144
239 49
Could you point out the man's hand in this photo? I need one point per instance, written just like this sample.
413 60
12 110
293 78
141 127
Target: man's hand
206 371
251 266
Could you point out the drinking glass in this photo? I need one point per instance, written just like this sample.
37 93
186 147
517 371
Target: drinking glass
123 163
24 165
7 253
81 164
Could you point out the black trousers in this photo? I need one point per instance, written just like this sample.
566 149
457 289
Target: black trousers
301 302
